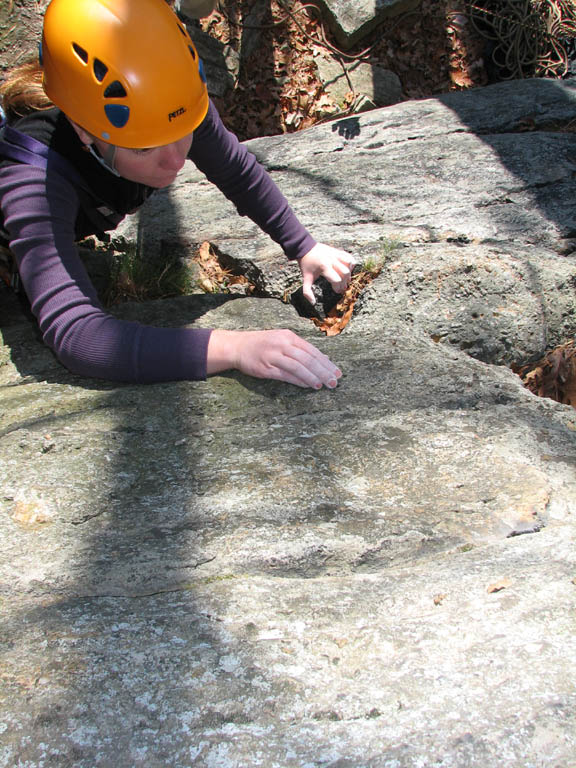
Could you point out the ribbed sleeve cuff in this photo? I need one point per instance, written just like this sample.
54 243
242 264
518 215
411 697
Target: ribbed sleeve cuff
173 354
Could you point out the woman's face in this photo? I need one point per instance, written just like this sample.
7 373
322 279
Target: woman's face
154 167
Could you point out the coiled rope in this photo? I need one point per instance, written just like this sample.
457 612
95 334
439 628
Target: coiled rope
530 37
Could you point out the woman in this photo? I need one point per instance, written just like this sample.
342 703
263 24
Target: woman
130 106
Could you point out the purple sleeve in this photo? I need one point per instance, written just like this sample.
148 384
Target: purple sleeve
236 172
39 214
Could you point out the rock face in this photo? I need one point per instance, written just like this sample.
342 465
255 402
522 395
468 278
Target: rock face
240 573
378 86
20 29
351 21
468 200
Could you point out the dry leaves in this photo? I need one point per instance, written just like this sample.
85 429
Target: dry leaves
214 278
433 49
554 376
278 89
339 316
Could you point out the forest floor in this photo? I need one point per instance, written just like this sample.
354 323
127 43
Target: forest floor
432 49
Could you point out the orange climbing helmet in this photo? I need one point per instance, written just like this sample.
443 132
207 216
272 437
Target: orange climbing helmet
125 70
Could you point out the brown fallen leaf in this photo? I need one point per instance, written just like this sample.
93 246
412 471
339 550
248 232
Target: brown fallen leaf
461 78
341 322
339 316
215 278
554 376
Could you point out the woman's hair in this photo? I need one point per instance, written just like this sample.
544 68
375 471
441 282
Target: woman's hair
22 92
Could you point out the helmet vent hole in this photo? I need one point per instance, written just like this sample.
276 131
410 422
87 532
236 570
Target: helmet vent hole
115 91
100 70
80 52
192 51
118 114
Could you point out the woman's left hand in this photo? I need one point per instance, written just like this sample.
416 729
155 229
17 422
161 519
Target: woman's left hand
333 264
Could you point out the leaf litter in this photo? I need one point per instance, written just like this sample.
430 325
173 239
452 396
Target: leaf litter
433 49
340 315
215 278
554 376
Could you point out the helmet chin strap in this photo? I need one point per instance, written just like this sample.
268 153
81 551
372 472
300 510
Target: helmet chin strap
106 160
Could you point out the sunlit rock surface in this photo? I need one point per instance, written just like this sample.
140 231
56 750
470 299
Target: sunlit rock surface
241 573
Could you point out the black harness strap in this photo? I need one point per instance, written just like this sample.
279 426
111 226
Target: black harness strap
24 149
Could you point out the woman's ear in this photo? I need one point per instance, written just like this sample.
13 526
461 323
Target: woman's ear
84 136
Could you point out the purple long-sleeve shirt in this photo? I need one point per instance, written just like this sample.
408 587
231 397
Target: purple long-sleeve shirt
40 210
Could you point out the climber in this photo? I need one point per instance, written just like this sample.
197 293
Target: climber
114 108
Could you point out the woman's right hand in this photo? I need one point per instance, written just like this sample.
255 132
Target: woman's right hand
274 354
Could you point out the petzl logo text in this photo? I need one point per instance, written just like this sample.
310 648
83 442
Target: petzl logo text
176 113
